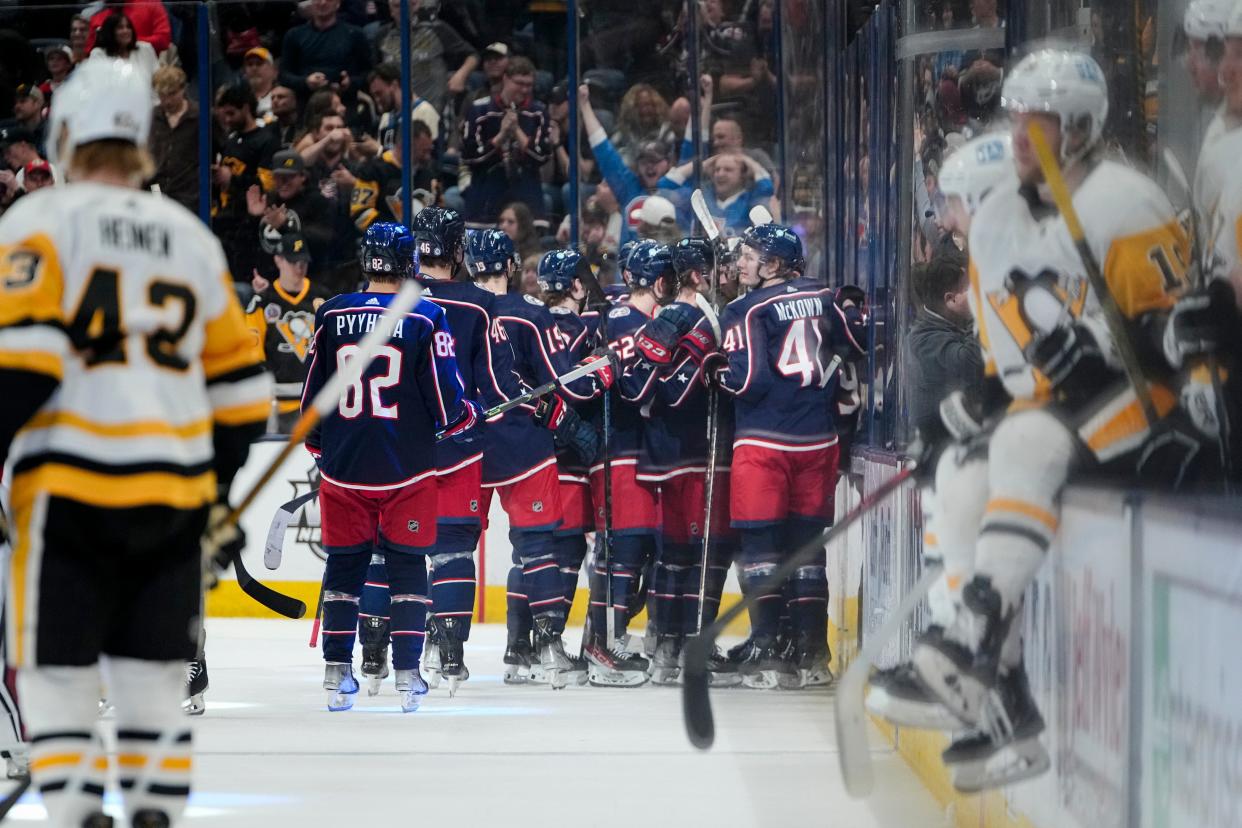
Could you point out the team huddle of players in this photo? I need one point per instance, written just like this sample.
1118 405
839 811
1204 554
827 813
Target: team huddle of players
1060 396
619 452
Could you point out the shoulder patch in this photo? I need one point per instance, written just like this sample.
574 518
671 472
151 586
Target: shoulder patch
617 313
272 312
560 311
532 299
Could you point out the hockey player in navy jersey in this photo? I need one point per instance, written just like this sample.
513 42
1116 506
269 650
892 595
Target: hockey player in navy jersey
776 360
519 459
564 294
634 506
675 450
485 361
376 460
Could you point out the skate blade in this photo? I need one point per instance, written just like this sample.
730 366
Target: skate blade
665 676
453 683
374 684
338 702
433 679
724 679
911 714
410 702
762 680
556 679
515 675
962 695
1010 765
194 705
616 678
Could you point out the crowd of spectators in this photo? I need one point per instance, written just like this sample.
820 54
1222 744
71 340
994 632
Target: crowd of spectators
306 105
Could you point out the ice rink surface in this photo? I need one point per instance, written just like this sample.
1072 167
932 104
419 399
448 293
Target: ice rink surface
269 754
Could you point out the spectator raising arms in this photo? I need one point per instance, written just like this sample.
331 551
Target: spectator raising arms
323 51
147 18
505 144
738 183
117 39
174 138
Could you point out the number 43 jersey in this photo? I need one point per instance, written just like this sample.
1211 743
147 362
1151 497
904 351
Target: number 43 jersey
123 297
383 433
778 341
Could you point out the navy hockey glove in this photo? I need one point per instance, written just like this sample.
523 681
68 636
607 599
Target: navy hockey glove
715 365
698 344
1204 321
568 429
657 340
849 322
463 431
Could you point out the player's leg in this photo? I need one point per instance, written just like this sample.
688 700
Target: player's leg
374 623
407 532
453 575
348 527
674 579
58 605
13 745
518 625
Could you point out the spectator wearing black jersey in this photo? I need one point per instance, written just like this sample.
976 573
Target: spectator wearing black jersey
506 141
245 156
324 51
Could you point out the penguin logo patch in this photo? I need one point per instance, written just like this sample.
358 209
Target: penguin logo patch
412 526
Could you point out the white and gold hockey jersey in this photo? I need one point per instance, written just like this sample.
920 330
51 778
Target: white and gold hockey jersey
1218 159
1139 244
125 298
1224 253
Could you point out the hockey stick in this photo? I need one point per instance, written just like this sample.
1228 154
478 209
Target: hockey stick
759 215
695 697
14 796
314 639
274 549
592 366
1113 317
853 751
1199 278
324 402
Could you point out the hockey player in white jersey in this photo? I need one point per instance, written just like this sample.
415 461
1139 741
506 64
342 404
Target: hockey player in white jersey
1209 26
950 523
1043 332
132 390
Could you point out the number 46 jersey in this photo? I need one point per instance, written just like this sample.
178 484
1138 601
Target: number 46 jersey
383 433
777 342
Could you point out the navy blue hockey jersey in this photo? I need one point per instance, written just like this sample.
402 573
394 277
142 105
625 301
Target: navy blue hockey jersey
633 382
484 358
515 445
383 433
777 340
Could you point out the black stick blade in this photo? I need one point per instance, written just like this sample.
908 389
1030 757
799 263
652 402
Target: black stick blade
277 602
696 703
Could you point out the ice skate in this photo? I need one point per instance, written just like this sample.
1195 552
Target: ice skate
452 665
339 681
899 696
808 665
615 667
517 659
1007 748
431 654
761 664
412 688
959 667
195 687
555 661
666 663
579 670
721 672
374 653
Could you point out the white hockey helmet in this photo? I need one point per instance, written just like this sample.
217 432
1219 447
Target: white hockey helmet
1064 83
976 167
1206 19
102 99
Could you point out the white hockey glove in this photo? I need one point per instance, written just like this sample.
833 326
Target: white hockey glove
962 416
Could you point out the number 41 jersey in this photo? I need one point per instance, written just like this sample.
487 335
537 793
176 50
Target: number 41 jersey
777 342
383 433
124 298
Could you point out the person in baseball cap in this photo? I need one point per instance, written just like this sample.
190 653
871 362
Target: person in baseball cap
29 111
262 75
59 62
36 175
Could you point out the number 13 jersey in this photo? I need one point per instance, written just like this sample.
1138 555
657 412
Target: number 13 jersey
125 298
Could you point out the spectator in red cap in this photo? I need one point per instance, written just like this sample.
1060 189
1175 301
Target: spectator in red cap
36 175
148 18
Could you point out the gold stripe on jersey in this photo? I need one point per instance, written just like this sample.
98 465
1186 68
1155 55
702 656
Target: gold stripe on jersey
1115 426
116 491
989 366
237 415
37 362
139 428
1144 270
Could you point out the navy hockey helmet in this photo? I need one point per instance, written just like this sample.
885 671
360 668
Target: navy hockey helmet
623 255
488 252
439 232
650 262
776 241
693 254
388 248
558 269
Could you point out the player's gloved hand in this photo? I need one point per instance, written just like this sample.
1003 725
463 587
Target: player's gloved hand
568 429
698 344
607 375
1199 400
962 416
220 543
849 307
463 430
1204 321
715 365
1069 355
657 340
